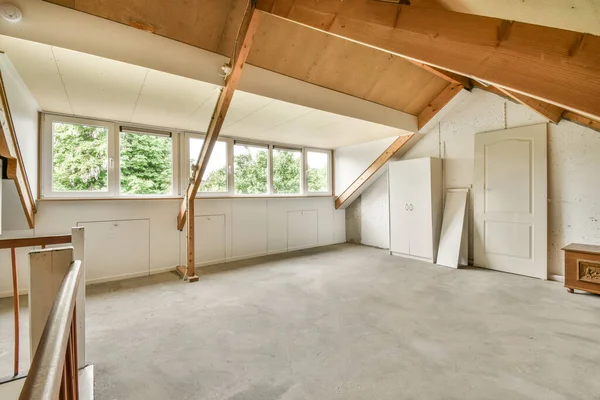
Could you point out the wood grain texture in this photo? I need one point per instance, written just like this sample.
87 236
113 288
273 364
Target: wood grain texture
534 60
10 150
546 110
247 32
34 241
282 47
581 120
372 169
575 277
438 103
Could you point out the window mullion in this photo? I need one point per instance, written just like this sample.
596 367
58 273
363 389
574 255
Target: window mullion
113 154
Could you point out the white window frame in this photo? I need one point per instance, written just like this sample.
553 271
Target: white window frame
251 143
185 179
139 130
302 173
329 170
46 158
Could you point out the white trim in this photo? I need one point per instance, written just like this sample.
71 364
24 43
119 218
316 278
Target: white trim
556 278
46 157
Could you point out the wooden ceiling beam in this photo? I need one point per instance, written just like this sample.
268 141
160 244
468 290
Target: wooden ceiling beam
438 103
342 201
546 110
537 61
581 120
186 211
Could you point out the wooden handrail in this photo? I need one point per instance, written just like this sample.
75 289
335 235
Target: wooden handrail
34 241
52 373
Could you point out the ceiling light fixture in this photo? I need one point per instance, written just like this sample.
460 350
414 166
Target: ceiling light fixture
10 13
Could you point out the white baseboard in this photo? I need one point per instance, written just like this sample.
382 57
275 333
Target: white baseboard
556 278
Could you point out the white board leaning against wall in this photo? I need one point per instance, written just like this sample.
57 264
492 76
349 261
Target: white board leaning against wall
510 201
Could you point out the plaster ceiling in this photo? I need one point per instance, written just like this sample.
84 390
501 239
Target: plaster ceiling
75 83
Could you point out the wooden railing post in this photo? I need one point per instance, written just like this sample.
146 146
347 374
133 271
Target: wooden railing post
15 282
78 242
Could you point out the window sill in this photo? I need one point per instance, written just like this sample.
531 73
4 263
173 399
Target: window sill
146 198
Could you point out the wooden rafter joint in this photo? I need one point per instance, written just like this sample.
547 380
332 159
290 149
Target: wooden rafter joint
383 158
546 110
438 103
488 49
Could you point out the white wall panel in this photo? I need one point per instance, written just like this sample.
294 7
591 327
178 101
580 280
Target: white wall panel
573 162
249 227
302 229
252 227
210 238
118 248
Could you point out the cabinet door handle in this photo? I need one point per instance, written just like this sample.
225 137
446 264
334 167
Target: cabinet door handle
411 207
406 207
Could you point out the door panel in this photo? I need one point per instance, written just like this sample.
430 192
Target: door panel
116 248
420 209
302 229
209 238
510 201
400 222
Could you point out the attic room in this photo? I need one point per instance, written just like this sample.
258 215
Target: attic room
299 199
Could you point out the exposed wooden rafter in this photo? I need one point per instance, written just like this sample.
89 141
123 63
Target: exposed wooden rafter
343 200
546 110
581 120
529 59
186 211
438 103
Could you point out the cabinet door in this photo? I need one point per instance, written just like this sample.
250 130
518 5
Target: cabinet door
399 182
419 205
209 238
302 229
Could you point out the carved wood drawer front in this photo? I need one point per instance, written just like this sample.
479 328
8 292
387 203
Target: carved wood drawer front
588 271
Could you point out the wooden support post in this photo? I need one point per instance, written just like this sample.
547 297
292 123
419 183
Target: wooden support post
15 282
78 243
191 248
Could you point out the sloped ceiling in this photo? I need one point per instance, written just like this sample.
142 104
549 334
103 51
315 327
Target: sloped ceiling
288 49
74 83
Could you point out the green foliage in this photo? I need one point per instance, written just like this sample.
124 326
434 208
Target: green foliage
145 162
317 179
79 154
286 172
250 172
215 182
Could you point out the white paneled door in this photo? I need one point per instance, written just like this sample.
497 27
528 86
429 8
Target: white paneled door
510 201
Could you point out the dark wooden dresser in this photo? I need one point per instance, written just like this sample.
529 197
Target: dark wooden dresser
582 267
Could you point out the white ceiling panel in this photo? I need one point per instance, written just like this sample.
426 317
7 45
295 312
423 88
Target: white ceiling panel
35 63
85 85
171 100
258 123
99 87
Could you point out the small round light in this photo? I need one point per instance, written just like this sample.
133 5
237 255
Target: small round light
10 13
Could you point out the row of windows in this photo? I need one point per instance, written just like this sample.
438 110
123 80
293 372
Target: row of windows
102 159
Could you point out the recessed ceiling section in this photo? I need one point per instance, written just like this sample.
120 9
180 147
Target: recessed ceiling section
74 83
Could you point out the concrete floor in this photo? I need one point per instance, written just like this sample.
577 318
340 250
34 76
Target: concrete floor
341 322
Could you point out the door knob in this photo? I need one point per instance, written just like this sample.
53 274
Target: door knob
411 207
406 207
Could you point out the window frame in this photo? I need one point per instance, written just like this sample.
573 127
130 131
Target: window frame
284 147
180 159
46 162
185 179
329 153
265 146
134 129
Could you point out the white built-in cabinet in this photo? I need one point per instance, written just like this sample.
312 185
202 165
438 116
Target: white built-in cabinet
415 190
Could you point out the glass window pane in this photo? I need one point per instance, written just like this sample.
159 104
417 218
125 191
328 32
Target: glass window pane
250 169
215 174
286 171
317 171
79 158
146 163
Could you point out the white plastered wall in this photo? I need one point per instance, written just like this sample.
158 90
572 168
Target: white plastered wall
254 227
573 165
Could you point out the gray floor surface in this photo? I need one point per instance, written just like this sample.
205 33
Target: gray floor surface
340 322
